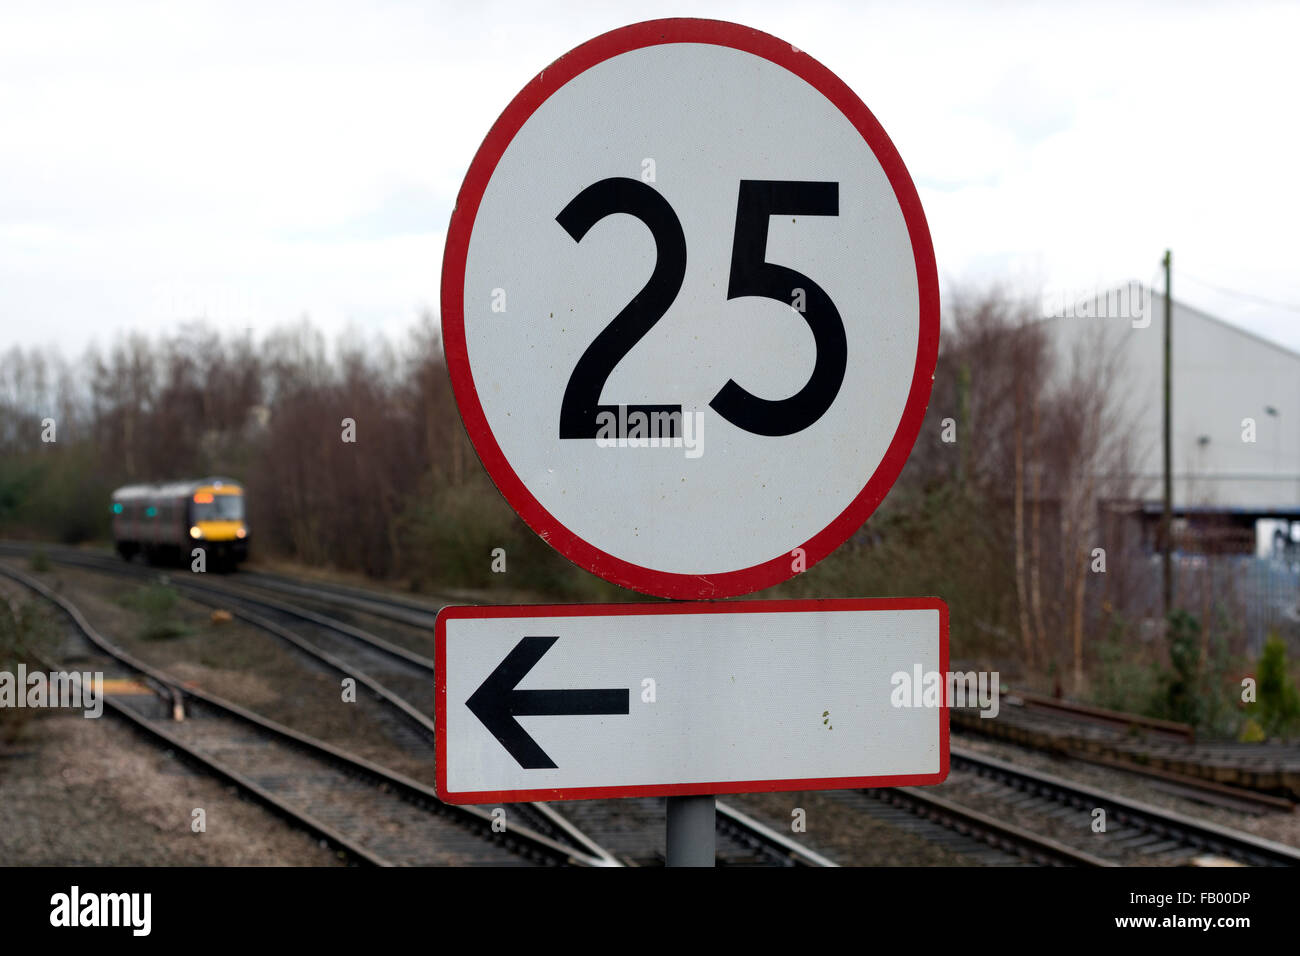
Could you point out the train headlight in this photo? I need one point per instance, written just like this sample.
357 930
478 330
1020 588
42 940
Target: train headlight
241 533
196 532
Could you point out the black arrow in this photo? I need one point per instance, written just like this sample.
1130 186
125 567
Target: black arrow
497 703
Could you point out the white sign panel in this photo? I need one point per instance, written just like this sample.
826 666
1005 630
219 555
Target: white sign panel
618 700
690 308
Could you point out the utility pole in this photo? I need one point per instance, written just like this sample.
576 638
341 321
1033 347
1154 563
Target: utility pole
1166 519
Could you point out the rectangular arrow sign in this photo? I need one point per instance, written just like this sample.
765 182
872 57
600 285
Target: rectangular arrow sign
568 702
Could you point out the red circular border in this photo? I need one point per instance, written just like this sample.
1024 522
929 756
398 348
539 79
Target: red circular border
637 36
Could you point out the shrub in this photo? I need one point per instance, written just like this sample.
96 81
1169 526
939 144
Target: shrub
1279 701
24 634
1182 698
155 602
1124 682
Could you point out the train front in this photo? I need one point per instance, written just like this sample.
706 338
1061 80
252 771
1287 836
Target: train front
217 522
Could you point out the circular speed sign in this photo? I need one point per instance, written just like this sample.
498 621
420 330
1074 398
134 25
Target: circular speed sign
690 309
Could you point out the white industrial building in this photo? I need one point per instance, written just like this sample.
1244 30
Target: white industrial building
1236 411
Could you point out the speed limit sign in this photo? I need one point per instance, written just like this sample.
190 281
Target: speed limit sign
690 309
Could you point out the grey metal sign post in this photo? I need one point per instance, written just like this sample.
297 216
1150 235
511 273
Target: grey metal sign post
692 831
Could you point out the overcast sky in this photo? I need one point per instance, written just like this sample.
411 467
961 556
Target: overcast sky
257 162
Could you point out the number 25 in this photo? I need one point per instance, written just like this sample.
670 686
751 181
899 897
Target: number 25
751 274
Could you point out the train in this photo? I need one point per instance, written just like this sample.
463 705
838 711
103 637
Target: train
166 522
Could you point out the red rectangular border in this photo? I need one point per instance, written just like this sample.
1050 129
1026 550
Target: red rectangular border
462 612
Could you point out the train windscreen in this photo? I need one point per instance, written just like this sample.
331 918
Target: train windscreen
218 507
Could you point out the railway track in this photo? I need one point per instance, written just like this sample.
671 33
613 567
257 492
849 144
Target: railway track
1201 784
1054 816
986 794
403 679
410 611
366 812
1226 773
375 664
1008 839
1106 718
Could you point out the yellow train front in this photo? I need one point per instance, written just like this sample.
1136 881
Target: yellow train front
166 522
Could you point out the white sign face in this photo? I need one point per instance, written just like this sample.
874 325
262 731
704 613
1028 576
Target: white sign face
619 700
690 308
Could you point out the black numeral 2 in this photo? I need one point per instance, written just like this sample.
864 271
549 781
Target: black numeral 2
581 404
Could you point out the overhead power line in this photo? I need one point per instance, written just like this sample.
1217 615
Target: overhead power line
1289 306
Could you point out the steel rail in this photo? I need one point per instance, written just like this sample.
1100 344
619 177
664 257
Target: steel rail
746 828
